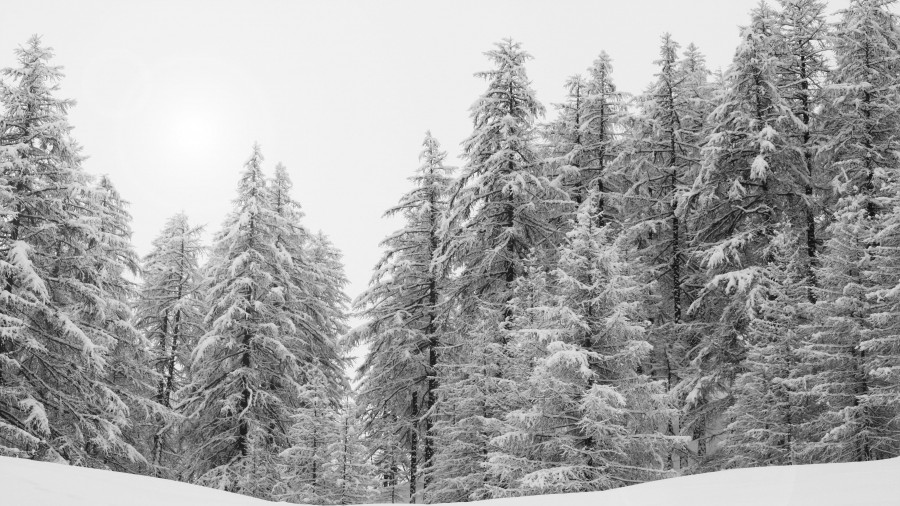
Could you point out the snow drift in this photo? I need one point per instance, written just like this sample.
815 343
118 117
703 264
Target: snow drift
30 483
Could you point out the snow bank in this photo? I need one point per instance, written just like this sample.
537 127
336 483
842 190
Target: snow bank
29 483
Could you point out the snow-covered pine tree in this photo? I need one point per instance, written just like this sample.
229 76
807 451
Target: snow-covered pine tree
321 323
582 142
592 420
497 218
745 187
662 159
169 313
348 472
848 352
801 69
604 107
320 306
564 137
402 333
881 347
303 466
256 367
767 422
836 374
665 154
129 371
60 317
326 307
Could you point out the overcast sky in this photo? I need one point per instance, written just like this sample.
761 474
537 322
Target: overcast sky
172 94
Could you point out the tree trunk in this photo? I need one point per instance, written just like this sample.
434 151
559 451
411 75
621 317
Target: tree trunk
161 396
344 475
413 447
244 424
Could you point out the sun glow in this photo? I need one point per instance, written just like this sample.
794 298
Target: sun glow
193 132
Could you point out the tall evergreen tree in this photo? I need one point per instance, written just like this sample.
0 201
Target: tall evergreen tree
666 155
848 352
348 473
319 307
583 138
399 374
257 366
304 465
768 421
129 372
801 69
62 312
744 188
592 419
497 219
319 328
169 313
663 159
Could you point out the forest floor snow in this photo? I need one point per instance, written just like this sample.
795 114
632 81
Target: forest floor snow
30 483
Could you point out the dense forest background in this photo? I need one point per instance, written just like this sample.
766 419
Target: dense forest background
698 277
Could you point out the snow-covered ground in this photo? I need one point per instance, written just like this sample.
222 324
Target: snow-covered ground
29 483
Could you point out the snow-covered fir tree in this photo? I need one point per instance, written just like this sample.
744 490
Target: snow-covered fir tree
848 351
802 41
497 218
582 140
746 186
320 305
348 472
315 421
767 422
665 157
129 371
834 365
662 158
592 419
303 466
268 352
62 309
398 388
169 313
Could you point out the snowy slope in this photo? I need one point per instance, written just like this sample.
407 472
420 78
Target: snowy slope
29 483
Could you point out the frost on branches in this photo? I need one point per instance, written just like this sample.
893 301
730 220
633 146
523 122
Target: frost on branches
65 316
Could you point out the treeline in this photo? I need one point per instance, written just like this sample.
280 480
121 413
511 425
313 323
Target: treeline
223 367
699 277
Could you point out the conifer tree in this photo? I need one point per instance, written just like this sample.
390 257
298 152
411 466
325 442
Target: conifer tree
848 353
666 158
348 472
169 313
62 314
802 42
836 372
744 188
592 420
767 423
497 218
304 465
314 421
257 365
582 140
319 307
663 159
129 372
399 373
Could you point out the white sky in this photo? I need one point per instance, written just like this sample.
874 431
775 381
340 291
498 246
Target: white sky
172 94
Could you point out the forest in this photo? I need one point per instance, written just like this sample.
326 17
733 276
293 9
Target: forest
701 276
